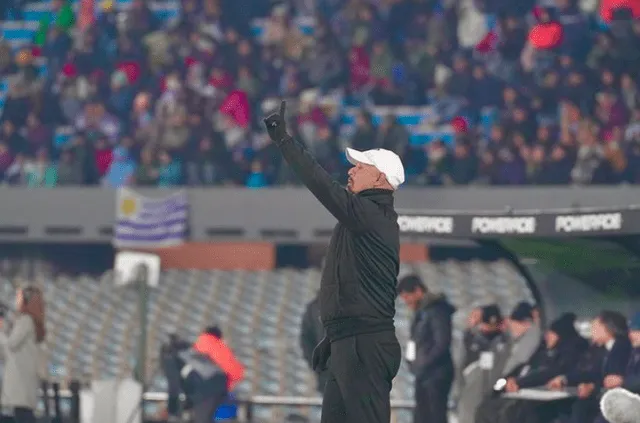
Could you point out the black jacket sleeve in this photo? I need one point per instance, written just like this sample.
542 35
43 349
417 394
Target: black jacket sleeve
468 355
613 362
308 336
439 325
541 375
560 364
632 383
348 208
587 375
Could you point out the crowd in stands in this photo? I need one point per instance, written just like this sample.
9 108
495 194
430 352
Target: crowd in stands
560 359
516 92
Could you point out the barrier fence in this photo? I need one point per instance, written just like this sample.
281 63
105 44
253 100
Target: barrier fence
245 405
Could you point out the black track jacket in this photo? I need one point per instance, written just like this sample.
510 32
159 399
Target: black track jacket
358 288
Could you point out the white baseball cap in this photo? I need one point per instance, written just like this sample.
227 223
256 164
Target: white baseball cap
385 161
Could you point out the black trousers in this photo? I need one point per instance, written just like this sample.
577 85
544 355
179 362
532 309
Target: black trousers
584 410
361 370
20 415
322 380
204 411
432 399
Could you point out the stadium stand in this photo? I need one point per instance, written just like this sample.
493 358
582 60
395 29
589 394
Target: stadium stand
455 91
93 328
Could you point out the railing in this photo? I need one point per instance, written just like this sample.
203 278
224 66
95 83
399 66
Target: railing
245 406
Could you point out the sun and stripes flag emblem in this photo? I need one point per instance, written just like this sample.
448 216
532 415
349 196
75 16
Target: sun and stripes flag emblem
143 222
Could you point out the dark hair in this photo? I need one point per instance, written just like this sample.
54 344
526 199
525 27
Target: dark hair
522 312
564 326
491 314
214 330
615 323
409 284
33 305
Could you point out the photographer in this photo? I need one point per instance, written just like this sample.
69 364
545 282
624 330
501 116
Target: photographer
20 351
208 370
171 369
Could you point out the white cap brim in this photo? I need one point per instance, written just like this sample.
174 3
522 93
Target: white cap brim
355 157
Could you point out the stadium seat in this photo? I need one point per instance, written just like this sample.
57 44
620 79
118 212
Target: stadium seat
94 327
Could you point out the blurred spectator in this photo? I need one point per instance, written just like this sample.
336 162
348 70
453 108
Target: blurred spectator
631 379
484 325
147 173
41 172
609 331
122 168
556 355
170 170
68 170
503 358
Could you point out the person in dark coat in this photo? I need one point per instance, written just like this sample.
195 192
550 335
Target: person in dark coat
506 356
429 351
484 328
360 351
311 333
631 378
171 369
609 332
484 325
556 355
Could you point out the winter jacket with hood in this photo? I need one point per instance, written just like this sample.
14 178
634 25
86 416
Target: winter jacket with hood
431 333
548 363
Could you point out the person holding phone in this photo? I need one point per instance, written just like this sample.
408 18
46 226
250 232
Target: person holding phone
20 351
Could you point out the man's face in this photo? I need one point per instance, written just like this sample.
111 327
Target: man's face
412 299
363 177
634 337
517 328
551 339
599 333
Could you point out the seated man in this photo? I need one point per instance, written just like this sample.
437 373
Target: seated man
609 331
631 378
561 345
503 358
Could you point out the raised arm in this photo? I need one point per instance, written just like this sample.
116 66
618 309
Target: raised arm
345 206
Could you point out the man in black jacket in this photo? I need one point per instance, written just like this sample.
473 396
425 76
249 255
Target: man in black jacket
357 290
429 350
171 368
558 353
483 326
311 334
610 332
631 378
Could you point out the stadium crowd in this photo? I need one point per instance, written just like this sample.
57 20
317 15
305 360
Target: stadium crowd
562 361
531 93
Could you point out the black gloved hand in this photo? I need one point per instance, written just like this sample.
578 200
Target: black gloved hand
276 125
321 354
